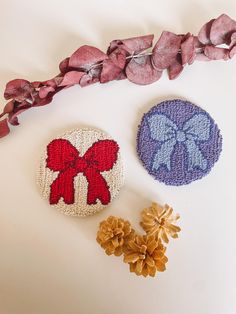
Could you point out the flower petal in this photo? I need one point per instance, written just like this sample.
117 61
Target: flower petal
131 258
115 242
150 262
152 271
152 246
160 266
145 270
139 266
118 251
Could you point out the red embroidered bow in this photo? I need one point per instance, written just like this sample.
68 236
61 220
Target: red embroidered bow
65 158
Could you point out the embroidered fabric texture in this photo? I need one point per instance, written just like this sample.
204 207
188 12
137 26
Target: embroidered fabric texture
81 172
178 142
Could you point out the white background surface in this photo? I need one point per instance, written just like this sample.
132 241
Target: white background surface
51 264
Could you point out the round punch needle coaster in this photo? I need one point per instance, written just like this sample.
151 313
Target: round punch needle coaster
81 172
178 142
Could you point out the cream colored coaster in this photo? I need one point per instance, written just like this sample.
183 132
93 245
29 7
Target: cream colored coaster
81 172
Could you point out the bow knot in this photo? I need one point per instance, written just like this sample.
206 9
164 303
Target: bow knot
164 130
180 136
65 158
81 164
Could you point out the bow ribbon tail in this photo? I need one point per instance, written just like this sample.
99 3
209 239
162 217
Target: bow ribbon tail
163 156
97 187
63 186
196 158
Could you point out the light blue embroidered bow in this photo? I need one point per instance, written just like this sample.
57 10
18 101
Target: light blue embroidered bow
164 130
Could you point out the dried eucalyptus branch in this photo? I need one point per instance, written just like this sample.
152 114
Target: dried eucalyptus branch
127 58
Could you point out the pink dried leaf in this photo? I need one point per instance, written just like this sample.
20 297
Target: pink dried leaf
2 114
71 78
202 57
232 41
122 76
13 119
109 72
114 44
45 90
221 30
197 44
232 46
64 65
175 68
86 80
204 33
9 107
132 45
216 53
18 89
36 84
92 77
13 116
232 52
95 71
165 50
188 50
138 44
141 71
39 102
54 82
85 56
4 128
118 57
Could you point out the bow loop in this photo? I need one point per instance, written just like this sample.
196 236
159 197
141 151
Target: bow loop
198 127
102 154
61 154
161 127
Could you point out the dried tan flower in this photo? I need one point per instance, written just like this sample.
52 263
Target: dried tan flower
145 255
113 234
160 221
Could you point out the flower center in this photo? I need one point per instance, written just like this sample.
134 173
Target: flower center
160 222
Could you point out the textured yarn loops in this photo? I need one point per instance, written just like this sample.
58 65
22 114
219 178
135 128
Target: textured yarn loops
178 142
81 172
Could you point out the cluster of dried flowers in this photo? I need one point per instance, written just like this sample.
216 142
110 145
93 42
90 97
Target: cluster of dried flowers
145 254
127 58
